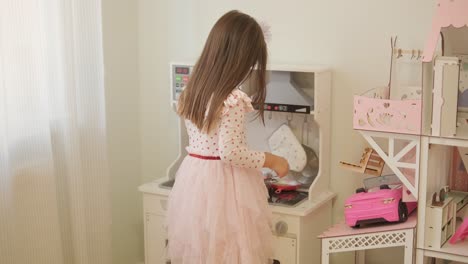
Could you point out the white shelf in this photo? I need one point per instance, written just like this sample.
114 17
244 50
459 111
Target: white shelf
459 142
456 252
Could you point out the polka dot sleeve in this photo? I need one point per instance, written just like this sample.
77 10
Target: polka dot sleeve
232 139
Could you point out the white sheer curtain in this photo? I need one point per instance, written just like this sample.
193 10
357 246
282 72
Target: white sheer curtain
54 184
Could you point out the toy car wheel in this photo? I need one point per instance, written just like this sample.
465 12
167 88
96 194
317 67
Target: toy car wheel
356 226
360 190
384 187
402 211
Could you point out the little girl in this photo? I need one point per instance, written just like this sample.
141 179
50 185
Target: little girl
218 211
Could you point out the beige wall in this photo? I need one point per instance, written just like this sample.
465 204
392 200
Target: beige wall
158 121
123 126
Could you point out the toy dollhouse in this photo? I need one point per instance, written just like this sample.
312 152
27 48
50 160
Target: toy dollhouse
420 129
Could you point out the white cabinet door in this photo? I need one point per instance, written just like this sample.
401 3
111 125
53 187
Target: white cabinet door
155 240
285 250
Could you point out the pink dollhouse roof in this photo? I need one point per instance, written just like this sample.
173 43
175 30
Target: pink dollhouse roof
448 13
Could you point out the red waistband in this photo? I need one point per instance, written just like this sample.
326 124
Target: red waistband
204 157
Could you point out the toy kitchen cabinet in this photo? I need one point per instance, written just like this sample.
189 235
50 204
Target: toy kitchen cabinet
300 96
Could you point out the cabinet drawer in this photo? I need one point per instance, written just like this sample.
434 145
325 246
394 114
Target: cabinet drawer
155 204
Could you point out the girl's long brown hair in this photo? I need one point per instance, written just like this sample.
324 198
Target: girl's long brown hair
234 49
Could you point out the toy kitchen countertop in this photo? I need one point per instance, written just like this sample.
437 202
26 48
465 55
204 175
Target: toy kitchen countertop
162 187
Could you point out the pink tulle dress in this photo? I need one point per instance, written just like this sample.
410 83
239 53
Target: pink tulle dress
218 211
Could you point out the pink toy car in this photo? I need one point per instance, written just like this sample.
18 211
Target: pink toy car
382 205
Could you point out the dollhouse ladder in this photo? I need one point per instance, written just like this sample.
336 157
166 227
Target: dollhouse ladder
405 162
370 163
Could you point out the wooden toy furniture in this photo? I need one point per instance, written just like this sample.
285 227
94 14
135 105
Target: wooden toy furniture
342 238
440 223
371 163
438 198
445 93
397 116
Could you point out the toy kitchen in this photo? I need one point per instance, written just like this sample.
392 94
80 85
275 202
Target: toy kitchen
297 115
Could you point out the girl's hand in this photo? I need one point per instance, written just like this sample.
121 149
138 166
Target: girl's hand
278 164
281 167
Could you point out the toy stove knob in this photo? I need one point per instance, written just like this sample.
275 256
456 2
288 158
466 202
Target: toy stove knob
281 228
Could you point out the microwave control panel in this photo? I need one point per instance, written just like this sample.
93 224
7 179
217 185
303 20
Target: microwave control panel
180 75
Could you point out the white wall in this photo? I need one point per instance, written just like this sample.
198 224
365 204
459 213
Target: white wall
158 121
123 126
351 36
